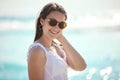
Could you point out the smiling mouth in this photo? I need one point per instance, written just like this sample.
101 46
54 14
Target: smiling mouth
53 32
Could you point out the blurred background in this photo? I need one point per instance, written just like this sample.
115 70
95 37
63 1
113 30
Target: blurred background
93 29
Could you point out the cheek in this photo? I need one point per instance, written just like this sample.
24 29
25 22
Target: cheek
46 25
46 28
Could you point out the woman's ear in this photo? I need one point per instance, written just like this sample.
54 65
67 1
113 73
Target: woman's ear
42 21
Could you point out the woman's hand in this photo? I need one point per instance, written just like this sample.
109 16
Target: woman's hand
74 58
60 36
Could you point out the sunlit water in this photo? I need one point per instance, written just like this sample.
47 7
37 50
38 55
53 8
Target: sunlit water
101 51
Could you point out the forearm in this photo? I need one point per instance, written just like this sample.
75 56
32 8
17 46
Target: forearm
74 59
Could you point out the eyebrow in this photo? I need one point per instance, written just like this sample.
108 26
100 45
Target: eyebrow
55 19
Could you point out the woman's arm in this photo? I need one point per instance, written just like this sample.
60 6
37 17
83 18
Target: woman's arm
36 64
74 59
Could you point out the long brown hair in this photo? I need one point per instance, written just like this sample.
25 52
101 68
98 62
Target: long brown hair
44 13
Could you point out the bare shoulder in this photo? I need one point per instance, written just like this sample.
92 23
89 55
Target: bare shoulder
36 54
36 63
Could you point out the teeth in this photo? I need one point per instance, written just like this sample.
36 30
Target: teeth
54 32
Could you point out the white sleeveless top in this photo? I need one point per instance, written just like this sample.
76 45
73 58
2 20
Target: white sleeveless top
55 67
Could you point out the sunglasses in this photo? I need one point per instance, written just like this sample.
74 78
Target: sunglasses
53 22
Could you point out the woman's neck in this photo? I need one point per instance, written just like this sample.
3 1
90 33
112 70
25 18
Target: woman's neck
45 41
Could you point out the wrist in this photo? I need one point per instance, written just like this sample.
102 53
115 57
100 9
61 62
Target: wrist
60 37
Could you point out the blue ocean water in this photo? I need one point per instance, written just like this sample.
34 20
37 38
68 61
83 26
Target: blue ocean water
100 49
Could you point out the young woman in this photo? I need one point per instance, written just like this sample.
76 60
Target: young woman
48 60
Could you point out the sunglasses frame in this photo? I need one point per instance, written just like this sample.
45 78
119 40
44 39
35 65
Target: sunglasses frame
57 23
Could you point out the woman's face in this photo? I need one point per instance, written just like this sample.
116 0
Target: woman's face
49 31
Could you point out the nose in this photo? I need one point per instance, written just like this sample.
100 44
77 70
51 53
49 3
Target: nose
57 25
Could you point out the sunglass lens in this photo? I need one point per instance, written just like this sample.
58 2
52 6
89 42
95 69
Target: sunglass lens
62 25
52 22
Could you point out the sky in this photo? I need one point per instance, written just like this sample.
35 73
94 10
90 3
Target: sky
92 12
75 7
